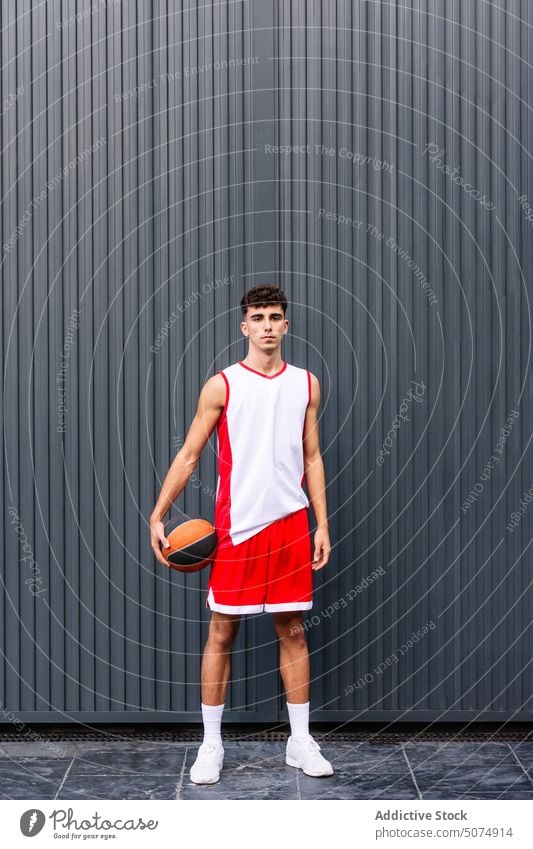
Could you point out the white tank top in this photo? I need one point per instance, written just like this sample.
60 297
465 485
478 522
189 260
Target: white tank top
260 450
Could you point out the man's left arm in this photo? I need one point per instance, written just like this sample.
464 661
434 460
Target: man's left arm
315 477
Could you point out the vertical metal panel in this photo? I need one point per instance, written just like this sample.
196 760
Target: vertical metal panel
150 235
135 166
385 80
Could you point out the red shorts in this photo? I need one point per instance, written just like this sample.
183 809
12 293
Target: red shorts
269 571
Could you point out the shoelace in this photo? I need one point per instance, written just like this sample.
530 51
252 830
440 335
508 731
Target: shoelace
309 744
207 749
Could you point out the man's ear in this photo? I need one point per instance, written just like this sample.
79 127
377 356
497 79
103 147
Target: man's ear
244 328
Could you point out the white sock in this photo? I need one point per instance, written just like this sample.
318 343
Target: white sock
212 718
299 719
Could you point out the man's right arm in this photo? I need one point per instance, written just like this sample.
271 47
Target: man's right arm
210 405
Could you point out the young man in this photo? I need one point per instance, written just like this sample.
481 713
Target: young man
265 411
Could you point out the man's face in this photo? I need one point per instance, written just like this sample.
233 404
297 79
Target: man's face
265 326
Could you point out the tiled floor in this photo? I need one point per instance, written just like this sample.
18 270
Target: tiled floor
257 770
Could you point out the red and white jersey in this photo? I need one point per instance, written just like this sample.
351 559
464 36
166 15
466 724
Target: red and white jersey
260 449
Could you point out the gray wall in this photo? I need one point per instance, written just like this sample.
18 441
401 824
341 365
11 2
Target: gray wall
132 221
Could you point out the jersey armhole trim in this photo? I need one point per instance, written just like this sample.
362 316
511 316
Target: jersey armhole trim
225 407
308 386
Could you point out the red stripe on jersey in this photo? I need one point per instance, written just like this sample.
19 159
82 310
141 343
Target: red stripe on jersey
223 500
303 429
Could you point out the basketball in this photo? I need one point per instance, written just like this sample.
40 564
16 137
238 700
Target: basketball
193 542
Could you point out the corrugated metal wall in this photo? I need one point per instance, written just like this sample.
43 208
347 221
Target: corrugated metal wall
417 322
372 158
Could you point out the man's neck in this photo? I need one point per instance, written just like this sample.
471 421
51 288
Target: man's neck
265 363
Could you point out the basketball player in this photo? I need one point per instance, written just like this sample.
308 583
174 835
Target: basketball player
265 411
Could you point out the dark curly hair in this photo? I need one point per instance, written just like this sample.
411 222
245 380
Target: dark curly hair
262 296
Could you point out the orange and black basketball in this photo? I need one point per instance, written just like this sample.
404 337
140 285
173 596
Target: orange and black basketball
193 542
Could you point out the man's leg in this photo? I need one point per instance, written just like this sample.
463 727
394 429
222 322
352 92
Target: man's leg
216 660
216 665
294 666
293 655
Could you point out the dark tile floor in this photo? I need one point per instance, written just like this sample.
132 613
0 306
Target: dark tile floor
257 770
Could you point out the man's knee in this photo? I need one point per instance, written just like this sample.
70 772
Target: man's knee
290 627
223 630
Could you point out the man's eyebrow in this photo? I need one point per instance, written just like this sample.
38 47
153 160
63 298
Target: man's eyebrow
254 314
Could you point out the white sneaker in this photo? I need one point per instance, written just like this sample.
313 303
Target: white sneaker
208 763
304 752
